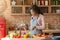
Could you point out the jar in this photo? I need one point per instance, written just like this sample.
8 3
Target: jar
46 2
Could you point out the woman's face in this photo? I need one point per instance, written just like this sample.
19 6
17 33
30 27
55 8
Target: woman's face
33 13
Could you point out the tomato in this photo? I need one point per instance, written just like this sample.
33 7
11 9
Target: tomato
18 36
14 36
39 35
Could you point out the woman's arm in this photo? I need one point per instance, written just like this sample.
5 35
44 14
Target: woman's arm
41 23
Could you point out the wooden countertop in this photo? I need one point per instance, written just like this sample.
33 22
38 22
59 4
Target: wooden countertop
22 38
49 31
46 31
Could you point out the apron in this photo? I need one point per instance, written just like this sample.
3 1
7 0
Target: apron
33 23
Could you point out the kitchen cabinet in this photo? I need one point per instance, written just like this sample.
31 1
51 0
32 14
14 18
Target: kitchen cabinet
21 6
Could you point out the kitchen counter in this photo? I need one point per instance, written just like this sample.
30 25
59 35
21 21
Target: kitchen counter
49 31
22 39
44 31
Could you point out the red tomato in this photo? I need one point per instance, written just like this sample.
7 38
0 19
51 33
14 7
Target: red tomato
14 36
39 35
18 36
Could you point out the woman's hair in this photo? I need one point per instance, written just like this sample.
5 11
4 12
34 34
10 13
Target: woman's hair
36 9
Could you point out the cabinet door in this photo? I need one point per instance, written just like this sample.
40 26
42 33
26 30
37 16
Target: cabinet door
55 2
44 9
16 9
55 10
27 10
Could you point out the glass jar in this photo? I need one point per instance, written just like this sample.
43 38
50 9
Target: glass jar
46 2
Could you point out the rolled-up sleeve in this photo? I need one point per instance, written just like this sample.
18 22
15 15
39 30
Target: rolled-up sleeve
41 23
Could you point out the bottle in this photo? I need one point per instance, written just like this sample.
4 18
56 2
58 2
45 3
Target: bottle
13 3
42 2
46 2
34 2
55 2
39 2
47 26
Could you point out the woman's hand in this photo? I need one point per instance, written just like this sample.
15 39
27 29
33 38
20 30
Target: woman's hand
34 28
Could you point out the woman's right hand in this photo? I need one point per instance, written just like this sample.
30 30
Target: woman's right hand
33 28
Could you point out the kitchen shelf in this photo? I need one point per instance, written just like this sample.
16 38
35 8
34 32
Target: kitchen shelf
17 14
42 6
17 6
21 6
51 31
55 13
29 6
55 5
52 14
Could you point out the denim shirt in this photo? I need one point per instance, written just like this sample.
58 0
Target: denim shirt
33 23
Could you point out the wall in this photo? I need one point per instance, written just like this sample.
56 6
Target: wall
53 20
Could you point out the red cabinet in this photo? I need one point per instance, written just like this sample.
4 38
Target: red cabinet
2 27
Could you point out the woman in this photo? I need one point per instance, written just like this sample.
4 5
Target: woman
37 20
